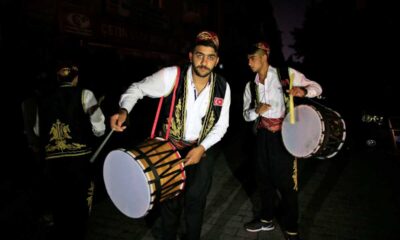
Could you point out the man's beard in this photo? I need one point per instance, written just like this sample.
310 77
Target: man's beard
197 72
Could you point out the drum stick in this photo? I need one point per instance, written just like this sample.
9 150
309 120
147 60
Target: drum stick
291 103
94 156
183 160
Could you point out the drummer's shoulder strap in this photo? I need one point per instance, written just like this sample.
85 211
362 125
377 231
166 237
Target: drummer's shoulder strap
283 74
254 94
253 104
178 106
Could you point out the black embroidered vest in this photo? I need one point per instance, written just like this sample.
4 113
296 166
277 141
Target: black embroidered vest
218 88
64 127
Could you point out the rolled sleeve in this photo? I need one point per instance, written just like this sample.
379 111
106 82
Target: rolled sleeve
97 118
314 89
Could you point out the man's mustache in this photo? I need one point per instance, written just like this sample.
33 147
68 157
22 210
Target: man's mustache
205 67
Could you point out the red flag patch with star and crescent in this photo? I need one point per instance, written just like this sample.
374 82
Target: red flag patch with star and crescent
218 101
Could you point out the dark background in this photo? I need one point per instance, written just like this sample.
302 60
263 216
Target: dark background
349 47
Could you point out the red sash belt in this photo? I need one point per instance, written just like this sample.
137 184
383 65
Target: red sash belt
272 124
181 144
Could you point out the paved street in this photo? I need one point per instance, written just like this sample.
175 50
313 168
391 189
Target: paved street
352 196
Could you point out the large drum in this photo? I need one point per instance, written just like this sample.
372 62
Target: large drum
137 179
317 132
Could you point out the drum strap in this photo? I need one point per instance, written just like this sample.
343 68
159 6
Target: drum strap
283 74
153 130
254 94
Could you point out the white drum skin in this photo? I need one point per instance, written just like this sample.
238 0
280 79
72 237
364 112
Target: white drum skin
317 132
126 183
137 179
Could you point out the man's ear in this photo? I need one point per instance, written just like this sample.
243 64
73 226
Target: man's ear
190 56
216 62
265 56
75 81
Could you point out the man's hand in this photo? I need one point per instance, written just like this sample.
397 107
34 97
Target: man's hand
262 107
298 92
118 119
194 156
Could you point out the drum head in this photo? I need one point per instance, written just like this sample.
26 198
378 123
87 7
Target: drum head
304 137
126 184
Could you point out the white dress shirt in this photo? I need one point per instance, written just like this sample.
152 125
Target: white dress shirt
271 93
161 84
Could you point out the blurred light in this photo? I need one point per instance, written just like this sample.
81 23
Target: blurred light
370 143
367 118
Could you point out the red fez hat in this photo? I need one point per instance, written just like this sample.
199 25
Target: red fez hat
208 36
262 45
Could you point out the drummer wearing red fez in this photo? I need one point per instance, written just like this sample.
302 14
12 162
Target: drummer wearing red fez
264 103
200 119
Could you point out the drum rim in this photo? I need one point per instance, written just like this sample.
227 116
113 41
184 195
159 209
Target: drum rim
343 139
147 189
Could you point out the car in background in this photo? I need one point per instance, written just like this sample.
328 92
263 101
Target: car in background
379 131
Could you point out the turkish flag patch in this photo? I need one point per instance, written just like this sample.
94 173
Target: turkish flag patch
218 101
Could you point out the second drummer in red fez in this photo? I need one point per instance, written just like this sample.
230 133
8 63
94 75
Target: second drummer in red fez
199 121
264 103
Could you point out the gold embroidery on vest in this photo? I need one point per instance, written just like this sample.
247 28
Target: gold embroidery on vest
178 119
210 122
60 133
294 176
89 198
209 119
176 124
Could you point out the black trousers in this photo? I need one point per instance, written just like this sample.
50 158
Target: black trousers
192 201
70 180
277 171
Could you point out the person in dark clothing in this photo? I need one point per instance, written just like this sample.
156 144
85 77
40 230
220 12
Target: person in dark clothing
68 120
199 120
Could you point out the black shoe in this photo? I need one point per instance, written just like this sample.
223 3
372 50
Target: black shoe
259 225
292 236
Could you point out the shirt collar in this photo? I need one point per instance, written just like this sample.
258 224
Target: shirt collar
270 71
